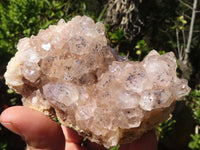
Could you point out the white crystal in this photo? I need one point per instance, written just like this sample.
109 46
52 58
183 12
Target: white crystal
46 47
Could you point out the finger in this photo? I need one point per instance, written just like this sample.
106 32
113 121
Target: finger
147 142
71 135
39 131
72 139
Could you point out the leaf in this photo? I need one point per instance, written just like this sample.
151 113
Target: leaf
184 21
27 32
3 145
138 52
13 101
116 36
195 143
9 91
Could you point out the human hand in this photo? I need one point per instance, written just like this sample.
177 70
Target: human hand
41 133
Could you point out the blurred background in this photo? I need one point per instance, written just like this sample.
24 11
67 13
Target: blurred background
133 27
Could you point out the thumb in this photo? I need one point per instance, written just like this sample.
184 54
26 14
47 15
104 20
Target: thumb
39 131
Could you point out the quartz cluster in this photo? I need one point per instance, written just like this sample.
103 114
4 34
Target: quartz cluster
69 71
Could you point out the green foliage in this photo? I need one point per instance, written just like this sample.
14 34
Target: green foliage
165 128
10 91
22 18
56 120
194 99
180 23
3 145
141 47
115 148
194 103
195 143
14 99
116 36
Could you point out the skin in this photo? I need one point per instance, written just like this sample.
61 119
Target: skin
41 133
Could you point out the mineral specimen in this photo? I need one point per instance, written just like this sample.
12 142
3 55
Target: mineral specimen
68 71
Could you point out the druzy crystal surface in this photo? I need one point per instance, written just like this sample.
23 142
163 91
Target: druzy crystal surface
69 71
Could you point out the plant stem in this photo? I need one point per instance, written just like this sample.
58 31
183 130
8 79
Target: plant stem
187 50
178 44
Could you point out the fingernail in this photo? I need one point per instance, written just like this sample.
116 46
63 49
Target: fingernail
13 128
5 123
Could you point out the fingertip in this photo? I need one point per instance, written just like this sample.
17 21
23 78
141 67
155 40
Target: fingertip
7 119
7 114
71 135
38 130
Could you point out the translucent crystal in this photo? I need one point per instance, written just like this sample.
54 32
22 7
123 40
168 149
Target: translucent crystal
69 71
